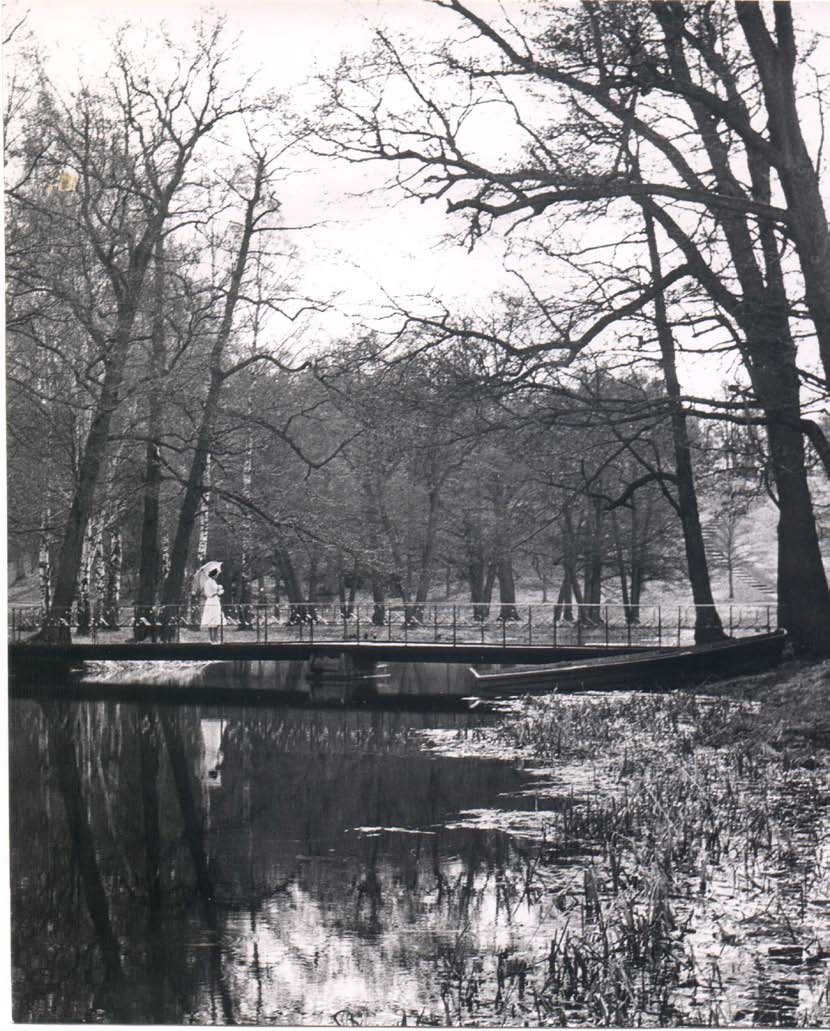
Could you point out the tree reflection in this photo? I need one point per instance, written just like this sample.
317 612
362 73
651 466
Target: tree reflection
194 833
273 905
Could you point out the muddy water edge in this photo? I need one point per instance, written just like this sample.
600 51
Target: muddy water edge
594 859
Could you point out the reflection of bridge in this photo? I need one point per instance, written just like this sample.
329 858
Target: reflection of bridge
442 633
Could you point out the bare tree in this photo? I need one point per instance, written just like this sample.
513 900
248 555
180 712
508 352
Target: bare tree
613 75
105 177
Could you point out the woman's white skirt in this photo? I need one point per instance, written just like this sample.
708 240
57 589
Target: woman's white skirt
212 613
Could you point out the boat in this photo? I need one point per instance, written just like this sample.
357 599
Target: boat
666 667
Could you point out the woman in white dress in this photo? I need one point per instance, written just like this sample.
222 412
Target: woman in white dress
212 612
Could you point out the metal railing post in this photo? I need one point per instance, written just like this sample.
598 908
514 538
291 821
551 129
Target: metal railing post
627 617
454 626
606 627
578 625
311 628
358 622
555 621
659 626
678 626
503 629
435 623
730 620
769 627
530 625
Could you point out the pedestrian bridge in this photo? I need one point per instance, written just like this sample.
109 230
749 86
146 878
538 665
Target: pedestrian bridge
433 633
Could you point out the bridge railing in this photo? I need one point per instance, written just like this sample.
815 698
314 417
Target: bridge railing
535 624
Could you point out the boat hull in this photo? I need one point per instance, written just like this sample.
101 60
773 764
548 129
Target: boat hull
667 668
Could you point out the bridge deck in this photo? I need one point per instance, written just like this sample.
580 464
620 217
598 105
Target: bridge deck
24 654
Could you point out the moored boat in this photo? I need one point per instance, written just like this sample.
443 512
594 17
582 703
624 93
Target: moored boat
667 667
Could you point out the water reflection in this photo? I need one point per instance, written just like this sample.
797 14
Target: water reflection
225 865
327 681
272 864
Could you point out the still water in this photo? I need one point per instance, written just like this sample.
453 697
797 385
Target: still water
313 861
196 864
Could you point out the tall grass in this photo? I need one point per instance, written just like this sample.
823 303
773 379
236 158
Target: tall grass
676 813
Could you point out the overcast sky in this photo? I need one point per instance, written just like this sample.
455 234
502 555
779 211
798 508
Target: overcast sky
368 245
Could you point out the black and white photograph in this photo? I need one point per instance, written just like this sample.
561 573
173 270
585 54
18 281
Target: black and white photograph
417 499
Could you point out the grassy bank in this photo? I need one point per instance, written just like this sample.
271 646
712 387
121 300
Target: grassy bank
688 860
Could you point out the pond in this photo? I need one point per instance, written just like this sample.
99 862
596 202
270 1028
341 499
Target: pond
282 865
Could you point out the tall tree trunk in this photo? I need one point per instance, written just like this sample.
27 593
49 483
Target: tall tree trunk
427 555
313 587
475 567
507 588
44 565
562 609
769 353
540 567
708 626
775 61
92 460
390 532
288 573
621 569
112 590
803 599
378 602
149 557
503 556
247 522
593 563
204 516
174 582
